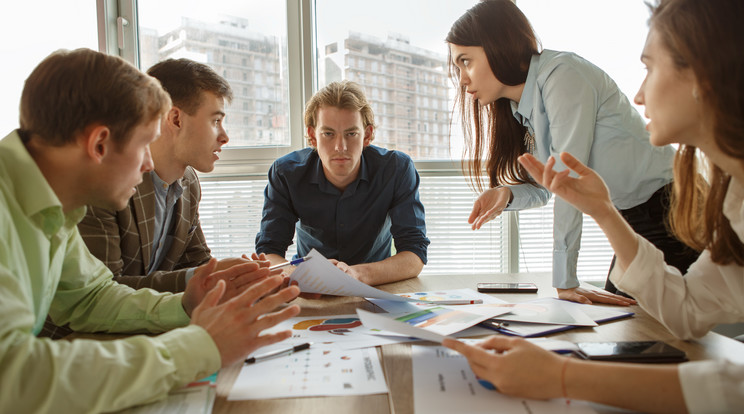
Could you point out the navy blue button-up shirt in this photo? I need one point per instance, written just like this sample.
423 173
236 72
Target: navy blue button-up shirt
356 226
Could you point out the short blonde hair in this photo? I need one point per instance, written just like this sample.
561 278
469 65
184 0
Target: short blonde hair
343 95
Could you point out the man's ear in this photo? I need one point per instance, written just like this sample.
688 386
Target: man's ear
369 135
174 117
311 137
97 141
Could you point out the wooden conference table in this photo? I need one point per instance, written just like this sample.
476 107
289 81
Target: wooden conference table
396 359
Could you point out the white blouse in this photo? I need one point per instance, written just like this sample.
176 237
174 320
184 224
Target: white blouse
708 295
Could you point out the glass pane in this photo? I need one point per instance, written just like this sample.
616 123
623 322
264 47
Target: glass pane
396 51
614 44
245 41
30 34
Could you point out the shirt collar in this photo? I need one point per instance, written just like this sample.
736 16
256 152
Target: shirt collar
526 101
162 188
35 197
318 175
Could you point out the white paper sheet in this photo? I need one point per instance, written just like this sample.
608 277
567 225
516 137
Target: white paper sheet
434 295
442 320
548 310
318 371
320 276
444 383
345 331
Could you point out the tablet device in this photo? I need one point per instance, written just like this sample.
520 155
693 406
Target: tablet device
630 351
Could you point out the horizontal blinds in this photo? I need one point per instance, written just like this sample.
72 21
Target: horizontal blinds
230 213
536 245
455 247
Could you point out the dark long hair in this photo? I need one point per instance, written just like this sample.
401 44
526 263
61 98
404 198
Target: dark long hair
509 42
707 36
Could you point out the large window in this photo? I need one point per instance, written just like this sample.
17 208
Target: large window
276 54
400 58
29 34
246 43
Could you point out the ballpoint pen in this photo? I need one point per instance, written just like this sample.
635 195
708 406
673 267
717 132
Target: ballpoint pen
278 353
290 263
457 302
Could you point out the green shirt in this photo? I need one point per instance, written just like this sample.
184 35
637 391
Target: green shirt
45 267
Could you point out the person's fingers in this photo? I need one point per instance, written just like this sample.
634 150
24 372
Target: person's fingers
574 297
237 270
474 213
253 293
609 298
271 301
214 295
268 339
497 343
207 268
571 162
268 320
548 172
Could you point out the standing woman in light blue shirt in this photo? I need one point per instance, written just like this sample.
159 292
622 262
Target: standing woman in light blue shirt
515 99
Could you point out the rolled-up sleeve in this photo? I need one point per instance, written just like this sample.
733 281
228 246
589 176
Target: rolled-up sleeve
407 216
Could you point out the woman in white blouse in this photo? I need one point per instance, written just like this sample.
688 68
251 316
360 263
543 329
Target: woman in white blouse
694 96
515 98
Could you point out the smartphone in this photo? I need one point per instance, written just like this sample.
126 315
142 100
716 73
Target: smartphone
507 287
630 351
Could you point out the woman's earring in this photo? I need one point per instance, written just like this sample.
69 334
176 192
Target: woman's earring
695 94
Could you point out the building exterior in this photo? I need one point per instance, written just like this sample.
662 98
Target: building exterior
406 85
407 88
254 64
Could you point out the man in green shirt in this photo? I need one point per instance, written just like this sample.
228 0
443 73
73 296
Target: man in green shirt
86 121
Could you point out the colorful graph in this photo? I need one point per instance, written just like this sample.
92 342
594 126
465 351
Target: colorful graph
336 326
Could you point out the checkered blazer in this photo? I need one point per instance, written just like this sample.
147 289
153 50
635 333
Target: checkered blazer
123 239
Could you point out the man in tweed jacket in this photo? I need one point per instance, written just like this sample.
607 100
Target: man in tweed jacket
157 240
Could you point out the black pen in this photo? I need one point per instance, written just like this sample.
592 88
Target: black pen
278 353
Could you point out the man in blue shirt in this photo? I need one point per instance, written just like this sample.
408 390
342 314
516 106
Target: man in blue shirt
346 198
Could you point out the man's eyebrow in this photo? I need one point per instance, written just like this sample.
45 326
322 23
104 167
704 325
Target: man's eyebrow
354 128
220 113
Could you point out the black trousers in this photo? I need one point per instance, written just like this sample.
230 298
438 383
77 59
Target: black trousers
650 221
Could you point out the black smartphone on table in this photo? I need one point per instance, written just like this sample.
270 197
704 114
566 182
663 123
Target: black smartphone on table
630 351
521 287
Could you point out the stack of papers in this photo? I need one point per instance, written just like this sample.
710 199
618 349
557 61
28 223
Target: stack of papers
548 315
343 344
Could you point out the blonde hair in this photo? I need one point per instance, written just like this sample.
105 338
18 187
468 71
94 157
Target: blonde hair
343 95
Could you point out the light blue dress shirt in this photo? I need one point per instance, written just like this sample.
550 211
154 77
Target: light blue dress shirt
165 203
573 106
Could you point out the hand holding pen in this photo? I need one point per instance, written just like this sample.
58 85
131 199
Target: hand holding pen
290 263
